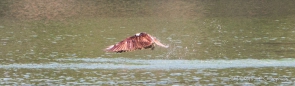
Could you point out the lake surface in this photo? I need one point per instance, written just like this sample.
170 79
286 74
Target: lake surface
210 42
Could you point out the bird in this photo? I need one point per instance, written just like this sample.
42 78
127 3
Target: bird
136 42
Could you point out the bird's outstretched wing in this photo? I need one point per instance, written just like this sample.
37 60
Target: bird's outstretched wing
160 44
156 41
132 43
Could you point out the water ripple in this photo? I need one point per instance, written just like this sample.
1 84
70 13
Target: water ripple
125 63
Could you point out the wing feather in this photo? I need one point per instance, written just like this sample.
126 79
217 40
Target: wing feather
156 41
138 41
160 44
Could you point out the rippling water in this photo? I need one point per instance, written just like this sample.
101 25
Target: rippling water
243 43
125 63
124 71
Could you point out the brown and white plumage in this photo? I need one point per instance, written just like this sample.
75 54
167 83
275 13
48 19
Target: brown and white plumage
137 42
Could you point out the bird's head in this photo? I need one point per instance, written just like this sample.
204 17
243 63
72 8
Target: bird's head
138 34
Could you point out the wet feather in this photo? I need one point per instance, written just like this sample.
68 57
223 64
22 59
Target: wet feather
137 42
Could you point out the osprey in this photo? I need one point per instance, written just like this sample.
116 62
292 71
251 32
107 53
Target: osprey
136 42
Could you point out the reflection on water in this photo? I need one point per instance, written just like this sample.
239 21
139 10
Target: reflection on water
211 42
77 76
124 63
124 71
